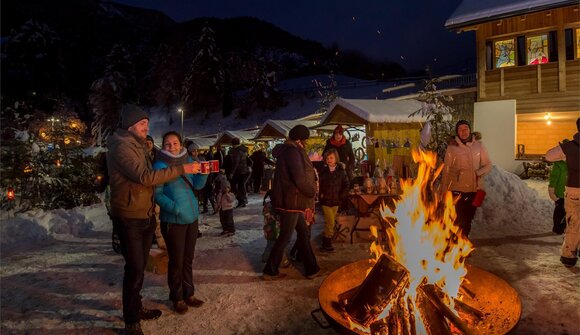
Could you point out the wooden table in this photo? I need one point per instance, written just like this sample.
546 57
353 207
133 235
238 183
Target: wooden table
370 204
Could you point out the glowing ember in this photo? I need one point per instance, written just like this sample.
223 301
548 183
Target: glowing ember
424 239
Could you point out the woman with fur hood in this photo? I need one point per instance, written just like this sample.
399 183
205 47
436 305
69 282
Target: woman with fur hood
466 163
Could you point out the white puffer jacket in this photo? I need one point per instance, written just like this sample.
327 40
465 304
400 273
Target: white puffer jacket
465 166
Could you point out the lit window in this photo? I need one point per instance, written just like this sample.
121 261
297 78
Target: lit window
577 42
504 53
537 49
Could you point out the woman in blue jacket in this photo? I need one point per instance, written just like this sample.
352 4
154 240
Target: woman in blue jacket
179 221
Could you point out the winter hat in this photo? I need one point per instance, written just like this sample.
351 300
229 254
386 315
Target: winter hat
149 138
226 184
132 114
460 122
339 130
235 141
192 147
299 132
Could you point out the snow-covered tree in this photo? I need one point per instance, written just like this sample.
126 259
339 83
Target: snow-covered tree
203 85
327 93
166 76
438 114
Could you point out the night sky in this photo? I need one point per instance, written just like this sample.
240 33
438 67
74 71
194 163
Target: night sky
409 32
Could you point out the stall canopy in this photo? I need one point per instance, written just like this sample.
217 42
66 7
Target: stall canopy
355 112
279 129
245 136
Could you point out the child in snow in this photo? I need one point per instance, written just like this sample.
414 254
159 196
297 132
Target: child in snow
225 206
271 226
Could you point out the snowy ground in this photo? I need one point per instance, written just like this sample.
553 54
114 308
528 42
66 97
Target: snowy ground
59 274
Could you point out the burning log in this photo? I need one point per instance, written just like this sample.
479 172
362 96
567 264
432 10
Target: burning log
468 309
433 319
379 289
431 294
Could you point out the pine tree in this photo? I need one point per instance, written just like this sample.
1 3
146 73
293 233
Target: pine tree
203 85
438 114
328 93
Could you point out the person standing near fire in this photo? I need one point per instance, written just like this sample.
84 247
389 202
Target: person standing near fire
466 164
132 181
344 149
570 152
293 192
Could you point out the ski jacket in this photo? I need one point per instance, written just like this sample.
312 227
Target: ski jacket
465 166
333 186
239 156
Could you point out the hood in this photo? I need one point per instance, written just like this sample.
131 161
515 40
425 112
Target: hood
171 159
454 140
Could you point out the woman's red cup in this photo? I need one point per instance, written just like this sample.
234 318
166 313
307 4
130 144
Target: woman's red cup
214 166
204 167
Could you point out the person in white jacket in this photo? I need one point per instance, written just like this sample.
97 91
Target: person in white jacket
466 163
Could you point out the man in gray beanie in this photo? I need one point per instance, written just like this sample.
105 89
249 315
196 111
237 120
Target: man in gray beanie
292 196
132 181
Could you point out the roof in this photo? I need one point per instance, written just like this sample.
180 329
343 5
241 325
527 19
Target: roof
471 12
274 129
245 136
362 111
204 142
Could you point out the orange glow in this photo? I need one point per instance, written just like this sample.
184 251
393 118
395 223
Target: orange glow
10 194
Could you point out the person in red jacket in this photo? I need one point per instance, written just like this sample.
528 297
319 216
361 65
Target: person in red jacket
344 149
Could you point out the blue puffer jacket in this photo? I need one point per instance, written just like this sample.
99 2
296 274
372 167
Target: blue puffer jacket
175 198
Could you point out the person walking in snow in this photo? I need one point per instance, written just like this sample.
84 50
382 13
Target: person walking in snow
344 149
132 181
570 152
179 221
556 189
240 171
333 192
293 192
225 206
466 164
259 160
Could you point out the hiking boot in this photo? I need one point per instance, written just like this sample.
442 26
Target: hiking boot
133 329
319 273
227 233
180 307
149 314
268 277
568 262
193 301
327 244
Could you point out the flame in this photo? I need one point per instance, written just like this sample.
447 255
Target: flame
424 239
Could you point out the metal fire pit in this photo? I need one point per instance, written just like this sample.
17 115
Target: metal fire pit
493 296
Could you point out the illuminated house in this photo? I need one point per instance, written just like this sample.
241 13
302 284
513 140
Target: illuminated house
528 74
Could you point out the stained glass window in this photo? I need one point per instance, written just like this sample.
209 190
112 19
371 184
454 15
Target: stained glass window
504 53
537 49
577 42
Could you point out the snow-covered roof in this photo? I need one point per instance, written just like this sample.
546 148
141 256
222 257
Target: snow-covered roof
472 12
275 129
245 136
363 111
204 142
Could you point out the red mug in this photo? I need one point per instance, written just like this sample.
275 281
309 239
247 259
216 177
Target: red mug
214 166
204 169
478 199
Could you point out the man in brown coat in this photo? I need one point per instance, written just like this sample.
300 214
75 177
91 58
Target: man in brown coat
132 181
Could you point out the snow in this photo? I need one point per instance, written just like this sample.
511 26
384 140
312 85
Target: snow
59 274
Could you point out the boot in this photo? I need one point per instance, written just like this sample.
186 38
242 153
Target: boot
180 307
149 314
327 244
133 329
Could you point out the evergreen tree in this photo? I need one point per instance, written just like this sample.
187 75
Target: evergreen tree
438 114
328 93
203 84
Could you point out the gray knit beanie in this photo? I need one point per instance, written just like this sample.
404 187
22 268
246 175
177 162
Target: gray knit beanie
132 114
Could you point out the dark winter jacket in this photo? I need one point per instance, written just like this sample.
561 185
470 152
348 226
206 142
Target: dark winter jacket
239 156
333 186
345 153
294 183
176 198
572 151
259 158
131 177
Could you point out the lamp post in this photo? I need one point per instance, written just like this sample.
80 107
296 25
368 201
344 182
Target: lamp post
180 110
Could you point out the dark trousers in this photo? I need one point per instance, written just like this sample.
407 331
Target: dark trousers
239 187
257 176
180 240
136 236
465 212
559 217
290 221
227 220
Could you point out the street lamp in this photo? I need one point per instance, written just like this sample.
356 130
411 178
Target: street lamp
180 110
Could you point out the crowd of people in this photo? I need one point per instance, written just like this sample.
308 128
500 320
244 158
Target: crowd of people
142 178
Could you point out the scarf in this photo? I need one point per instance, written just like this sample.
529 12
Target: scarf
171 159
336 143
